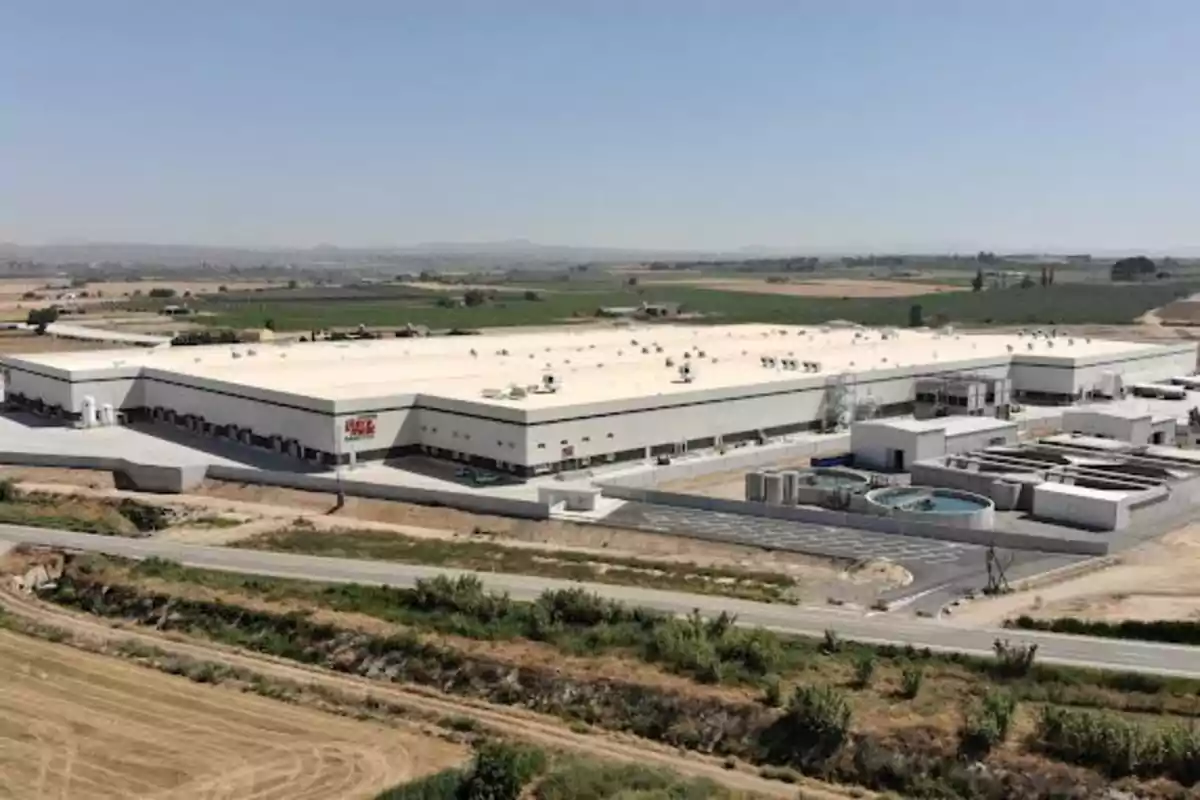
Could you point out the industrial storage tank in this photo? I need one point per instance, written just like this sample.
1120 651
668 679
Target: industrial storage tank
754 487
791 481
773 489
89 412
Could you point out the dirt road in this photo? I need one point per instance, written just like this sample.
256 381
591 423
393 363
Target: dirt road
538 729
79 725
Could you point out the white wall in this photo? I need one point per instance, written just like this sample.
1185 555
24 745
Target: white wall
309 427
1111 426
1107 511
977 440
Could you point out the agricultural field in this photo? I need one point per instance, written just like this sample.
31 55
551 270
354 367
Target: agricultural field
881 718
1058 304
813 287
81 725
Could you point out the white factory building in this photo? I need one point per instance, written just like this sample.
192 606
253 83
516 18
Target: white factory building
530 403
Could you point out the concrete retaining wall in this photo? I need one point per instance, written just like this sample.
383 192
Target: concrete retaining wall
127 475
747 458
134 476
1081 544
477 503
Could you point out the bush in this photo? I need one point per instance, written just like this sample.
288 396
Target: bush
1169 631
9 493
161 293
1013 660
1120 747
501 772
988 725
813 729
439 786
911 678
864 669
581 779
145 518
773 691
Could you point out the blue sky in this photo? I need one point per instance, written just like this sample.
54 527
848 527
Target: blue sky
846 124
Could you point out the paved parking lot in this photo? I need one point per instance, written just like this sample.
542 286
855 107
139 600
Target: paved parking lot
791 535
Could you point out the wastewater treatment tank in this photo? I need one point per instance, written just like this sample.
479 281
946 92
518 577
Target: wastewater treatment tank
934 506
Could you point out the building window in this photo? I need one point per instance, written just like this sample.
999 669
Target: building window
541 447
587 438
564 441
610 436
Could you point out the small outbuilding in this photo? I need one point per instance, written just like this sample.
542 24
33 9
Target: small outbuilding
892 445
1125 425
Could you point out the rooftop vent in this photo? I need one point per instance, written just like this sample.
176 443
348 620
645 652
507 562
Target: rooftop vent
550 382
686 373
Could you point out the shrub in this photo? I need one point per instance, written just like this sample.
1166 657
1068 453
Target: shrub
501 772
812 730
832 643
145 518
9 493
439 786
864 669
910 680
773 691
988 725
1013 660
161 292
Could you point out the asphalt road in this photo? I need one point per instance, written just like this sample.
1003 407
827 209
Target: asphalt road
811 621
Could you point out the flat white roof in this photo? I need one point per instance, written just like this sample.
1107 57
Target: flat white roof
952 425
589 366
1074 490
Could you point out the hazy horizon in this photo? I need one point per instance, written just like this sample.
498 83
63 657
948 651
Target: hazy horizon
1050 127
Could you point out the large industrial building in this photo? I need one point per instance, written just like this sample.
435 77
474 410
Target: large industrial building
529 403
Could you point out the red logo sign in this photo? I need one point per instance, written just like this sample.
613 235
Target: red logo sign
360 427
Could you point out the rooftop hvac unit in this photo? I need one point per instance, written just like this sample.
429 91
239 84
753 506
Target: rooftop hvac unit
686 373
492 393
550 382
670 362
517 392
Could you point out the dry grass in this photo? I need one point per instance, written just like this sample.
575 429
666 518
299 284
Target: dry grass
74 724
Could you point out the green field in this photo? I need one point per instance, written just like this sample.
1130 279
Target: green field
1058 304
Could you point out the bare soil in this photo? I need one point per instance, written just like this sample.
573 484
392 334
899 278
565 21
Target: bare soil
80 725
823 287
29 342
1158 580
505 721
266 508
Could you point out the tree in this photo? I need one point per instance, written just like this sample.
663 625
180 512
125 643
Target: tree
269 324
530 294
633 281
1026 281
162 292
916 317
39 318
292 284
222 289
1133 269
1045 277
977 282
474 297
